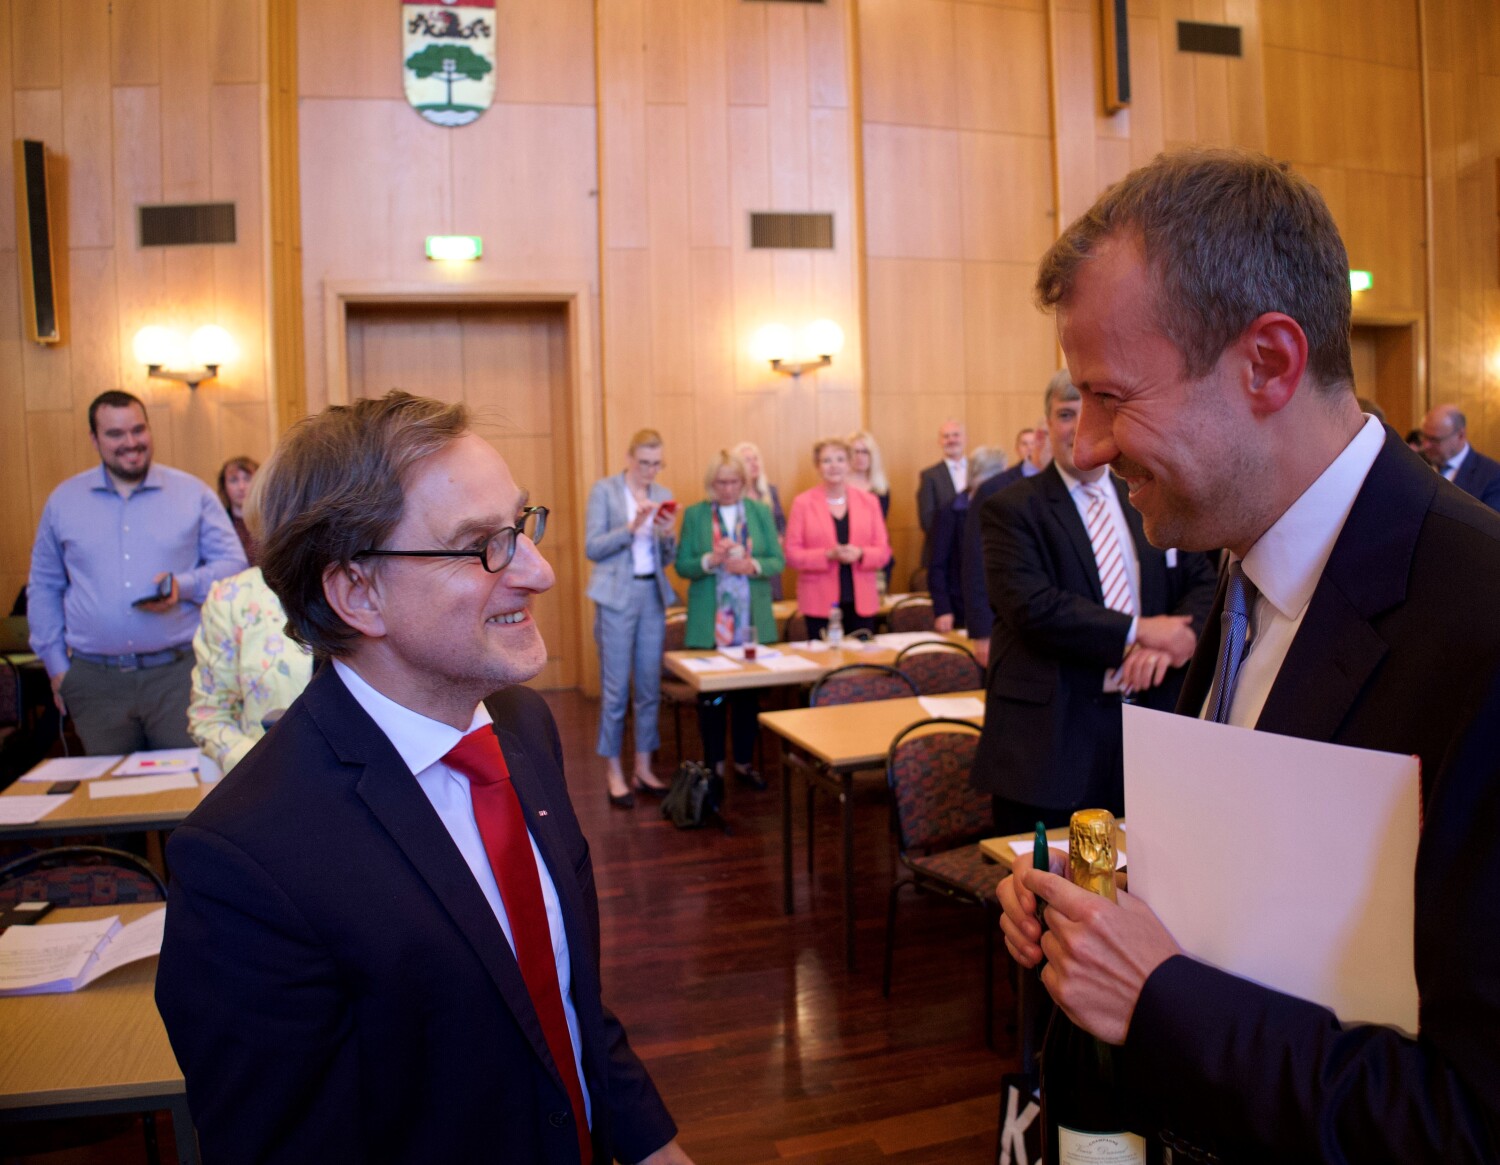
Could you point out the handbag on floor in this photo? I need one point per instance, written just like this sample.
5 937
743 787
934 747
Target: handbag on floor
695 798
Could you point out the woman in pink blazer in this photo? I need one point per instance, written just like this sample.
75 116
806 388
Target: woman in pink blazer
837 543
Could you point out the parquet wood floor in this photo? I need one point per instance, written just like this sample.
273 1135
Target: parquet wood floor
765 1048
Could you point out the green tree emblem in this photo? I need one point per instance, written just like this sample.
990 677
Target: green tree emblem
450 63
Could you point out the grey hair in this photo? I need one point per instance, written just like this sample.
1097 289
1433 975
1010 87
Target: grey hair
1060 387
984 463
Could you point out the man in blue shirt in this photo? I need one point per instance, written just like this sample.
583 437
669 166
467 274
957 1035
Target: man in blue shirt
110 540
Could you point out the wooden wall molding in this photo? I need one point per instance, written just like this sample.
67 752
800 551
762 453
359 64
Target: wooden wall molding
288 381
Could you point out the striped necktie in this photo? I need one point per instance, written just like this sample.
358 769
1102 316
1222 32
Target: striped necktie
1109 557
1234 641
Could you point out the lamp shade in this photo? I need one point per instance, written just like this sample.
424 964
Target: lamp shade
157 345
211 345
773 342
823 338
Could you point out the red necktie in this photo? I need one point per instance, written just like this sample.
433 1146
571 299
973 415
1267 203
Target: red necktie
502 827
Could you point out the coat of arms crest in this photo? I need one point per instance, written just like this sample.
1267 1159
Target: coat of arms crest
449 49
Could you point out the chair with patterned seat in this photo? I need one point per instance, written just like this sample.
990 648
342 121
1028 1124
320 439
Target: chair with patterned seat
80 875
936 668
939 823
857 682
913 613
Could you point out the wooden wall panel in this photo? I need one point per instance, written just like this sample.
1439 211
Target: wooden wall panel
908 63
350 49
545 53
912 179
135 42
1011 98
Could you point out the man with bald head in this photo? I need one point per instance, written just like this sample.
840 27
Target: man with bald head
940 484
1203 306
1445 445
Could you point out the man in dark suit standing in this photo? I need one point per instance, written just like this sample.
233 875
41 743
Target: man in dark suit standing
1203 306
941 483
1445 445
1087 613
382 939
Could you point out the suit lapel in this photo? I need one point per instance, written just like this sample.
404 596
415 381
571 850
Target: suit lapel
1337 648
1065 513
396 801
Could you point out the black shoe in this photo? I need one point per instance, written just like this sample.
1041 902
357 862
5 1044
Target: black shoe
624 800
751 778
640 786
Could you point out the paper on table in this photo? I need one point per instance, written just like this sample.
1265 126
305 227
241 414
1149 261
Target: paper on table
901 640
28 809
761 653
1027 846
160 760
1285 861
72 768
953 707
779 662
64 956
135 786
809 644
709 663
135 940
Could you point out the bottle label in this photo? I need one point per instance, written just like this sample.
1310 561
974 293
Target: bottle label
1075 1148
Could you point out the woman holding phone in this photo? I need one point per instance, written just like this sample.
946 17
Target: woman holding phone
629 538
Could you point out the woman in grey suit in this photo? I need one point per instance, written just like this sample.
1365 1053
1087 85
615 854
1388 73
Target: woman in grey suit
630 539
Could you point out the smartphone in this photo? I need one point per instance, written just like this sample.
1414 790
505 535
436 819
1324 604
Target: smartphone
163 591
61 787
23 913
668 507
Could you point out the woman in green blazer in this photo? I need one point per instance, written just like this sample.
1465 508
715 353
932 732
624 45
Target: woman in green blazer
729 552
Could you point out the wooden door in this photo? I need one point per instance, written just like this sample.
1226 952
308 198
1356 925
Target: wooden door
509 364
1385 370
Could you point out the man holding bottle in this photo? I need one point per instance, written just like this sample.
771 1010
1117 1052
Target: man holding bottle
1203 306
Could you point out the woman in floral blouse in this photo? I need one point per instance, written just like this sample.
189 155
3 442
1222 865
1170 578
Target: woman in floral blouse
247 666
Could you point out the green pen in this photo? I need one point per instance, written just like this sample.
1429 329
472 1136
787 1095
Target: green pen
1040 861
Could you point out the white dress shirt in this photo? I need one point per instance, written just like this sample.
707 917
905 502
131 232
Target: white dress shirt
422 743
1286 564
1451 467
1122 533
958 471
643 541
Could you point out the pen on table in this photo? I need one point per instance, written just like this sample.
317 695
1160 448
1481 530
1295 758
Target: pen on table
1040 861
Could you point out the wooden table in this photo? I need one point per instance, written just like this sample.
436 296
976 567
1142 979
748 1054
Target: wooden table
99 1050
839 740
83 813
816 664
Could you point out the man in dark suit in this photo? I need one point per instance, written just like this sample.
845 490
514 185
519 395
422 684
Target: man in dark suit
1203 305
941 483
1036 455
382 938
1086 611
1445 445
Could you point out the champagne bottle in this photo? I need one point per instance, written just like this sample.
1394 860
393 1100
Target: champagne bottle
1083 1108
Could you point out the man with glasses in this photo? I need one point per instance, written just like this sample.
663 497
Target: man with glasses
124 556
1445 444
383 935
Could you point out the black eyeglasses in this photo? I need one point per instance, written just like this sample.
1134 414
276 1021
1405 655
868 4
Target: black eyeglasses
495 554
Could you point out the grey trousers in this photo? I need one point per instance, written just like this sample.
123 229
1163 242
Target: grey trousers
125 711
630 643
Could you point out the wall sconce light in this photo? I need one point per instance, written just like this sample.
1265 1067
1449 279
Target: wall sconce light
167 357
790 355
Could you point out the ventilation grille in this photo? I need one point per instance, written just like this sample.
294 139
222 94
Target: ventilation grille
1221 40
793 1
187 224
804 232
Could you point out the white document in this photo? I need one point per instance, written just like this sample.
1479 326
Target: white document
160 760
64 956
901 640
779 662
762 653
29 808
709 663
953 707
1028 846
72 768
809 644
1285 861
136 786
208 769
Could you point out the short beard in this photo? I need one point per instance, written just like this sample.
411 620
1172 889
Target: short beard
127 477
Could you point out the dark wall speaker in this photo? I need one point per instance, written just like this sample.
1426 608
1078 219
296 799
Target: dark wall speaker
34 235
1116 21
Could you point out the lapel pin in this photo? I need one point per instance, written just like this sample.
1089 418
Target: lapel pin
541 813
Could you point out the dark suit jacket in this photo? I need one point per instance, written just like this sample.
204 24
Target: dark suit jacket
979 620
1050 736
1479 477
934 490
945 567
337 988
1400 651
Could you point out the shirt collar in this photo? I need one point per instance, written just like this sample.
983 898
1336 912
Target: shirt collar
1073 483
420 740
956 462
1457 459
152 480
1288 559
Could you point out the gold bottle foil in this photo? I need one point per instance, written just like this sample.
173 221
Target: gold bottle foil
1091 851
